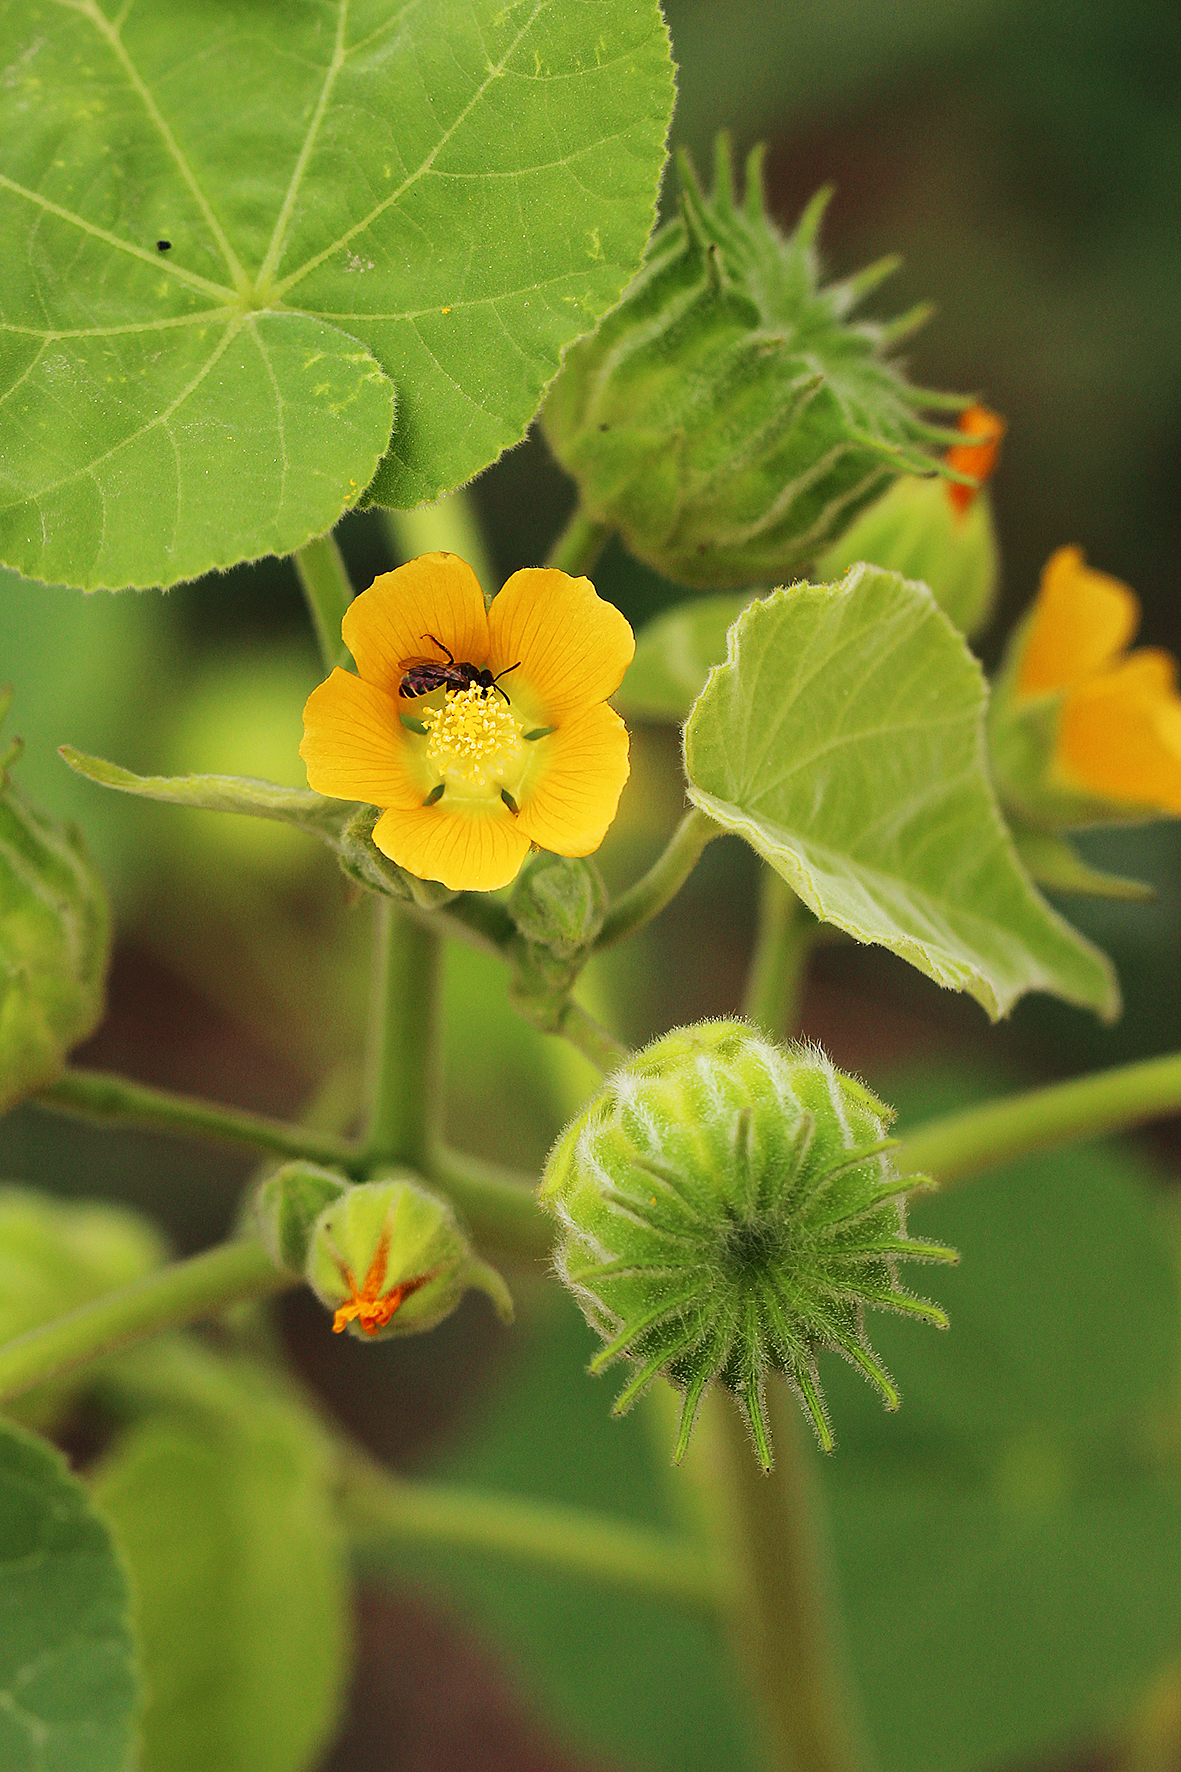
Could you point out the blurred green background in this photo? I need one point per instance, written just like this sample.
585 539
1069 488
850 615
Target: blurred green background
1026 161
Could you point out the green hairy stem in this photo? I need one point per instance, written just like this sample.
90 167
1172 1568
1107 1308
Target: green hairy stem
783 942
382 1512
403 1060
103 1096
664 879
166 1299
328 591
577 549
782 1619
1089 1107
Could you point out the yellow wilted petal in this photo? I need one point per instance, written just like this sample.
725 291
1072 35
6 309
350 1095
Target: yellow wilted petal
571 646
575 797
436 594
473 850
1081 621
355 746
1119 736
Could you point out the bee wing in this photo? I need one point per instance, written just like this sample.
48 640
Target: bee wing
419 661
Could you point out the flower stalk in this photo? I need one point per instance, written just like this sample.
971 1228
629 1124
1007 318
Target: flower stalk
783 1619
324 580
404 1084
580 544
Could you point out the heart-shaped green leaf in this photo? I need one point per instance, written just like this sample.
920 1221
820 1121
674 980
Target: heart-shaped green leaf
69 1686
231 231
844 739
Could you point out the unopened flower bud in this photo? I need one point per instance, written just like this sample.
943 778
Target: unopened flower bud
388 1258
728 418
287 1206
559 903
935 530
728 1206
55 937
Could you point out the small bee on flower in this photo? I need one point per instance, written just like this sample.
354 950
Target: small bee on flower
503 742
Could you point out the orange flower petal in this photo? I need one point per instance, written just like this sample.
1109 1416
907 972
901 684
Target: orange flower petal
572 647
1081 621
355 746
436 594
978 458
580 777
475 850
1119 736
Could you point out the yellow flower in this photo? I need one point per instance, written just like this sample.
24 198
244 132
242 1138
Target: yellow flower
1118 735
471 774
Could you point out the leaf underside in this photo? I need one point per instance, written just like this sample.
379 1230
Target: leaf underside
843 739
69 1686
230 233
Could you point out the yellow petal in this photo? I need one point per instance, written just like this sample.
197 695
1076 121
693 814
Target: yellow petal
355 746
1081 621
473 850
437 594
572 647
1119 735
579 778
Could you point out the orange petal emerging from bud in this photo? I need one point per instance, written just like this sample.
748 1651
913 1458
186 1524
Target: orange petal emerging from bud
977 457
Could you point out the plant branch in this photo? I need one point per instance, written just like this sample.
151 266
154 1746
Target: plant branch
664 879
166 1299
594 1042
783 942
451 526
382 1512
499 1204
1088 1107
783 1620
577 549
103 1096
403 1050
328 590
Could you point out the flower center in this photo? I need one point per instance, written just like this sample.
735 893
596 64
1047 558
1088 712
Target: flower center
473 737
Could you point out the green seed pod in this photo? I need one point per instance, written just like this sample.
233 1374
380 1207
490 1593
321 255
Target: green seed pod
727 417
287 1206
728 1206
388 1258
559 903
55 937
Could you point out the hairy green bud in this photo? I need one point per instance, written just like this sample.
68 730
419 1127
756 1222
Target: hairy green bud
559 903
287 1206
728 418
389 1258
55 938
729 1207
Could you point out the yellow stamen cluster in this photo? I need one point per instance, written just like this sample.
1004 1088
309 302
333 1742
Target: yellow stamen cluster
472 736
